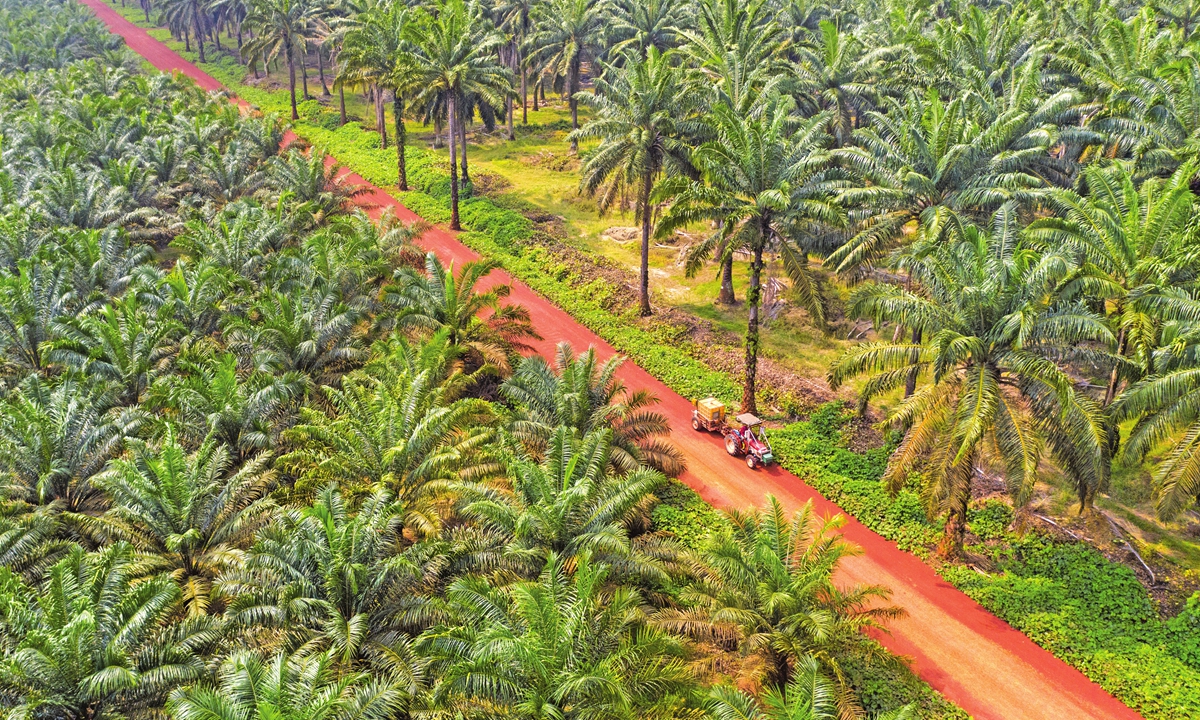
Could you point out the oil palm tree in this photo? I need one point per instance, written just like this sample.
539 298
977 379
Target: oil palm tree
99 640
767 581
1134 241
404 430
287 687
567 34
994 326
581 392
31 301
454 51
809 695
567 645
763 185
478 322
191 513
283 27
54 440
334 577
641 122
375 52
570 504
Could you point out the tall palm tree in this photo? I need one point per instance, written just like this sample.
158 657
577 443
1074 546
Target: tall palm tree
183 16
100 639
763 186
288 687
191 513
283 27
581 392
1136 245
641 122
455 54
516 17
767 581
568 34
993 326
375 52
567 645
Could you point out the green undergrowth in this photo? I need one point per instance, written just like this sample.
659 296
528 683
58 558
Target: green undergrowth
1067 597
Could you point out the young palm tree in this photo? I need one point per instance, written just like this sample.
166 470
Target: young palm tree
402 429
640 120
192 514
455 55
477 322
568 34
31 301
567 645
763 187
993 326
336 579
767 581
100 639
283 27
810 695
581 392
570 504
295 687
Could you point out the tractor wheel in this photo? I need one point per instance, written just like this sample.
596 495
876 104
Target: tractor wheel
751 462
731 445
696 423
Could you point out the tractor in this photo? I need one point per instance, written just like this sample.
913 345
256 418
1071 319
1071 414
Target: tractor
747 437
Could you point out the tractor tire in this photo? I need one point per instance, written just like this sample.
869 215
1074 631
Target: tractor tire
696 423
751 462
731 446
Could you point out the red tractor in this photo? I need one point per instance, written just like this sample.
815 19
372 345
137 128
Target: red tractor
747 438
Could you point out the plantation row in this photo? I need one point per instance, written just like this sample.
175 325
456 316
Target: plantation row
264 459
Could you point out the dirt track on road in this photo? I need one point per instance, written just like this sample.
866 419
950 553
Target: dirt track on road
972 657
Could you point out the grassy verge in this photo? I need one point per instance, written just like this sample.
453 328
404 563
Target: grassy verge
1068 598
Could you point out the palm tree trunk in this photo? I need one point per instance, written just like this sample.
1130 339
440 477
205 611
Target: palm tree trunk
644 269
321 72
342 103
726 296
511 133
536 87
524 96
304 73
910 382
462 136
217 36
573 83
451 111
291 63
398 112
380 121
199 33
750 387
146 9
187 42
1114 377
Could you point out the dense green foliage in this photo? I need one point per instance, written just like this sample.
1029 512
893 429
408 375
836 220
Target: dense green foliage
261 457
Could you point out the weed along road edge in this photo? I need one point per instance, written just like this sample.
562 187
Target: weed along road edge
971 656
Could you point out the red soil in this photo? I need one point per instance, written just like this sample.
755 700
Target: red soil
972 657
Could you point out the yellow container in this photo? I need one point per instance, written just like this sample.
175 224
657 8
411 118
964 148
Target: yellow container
711 409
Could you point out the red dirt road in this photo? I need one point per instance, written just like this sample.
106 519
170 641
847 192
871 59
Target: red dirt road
972 657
